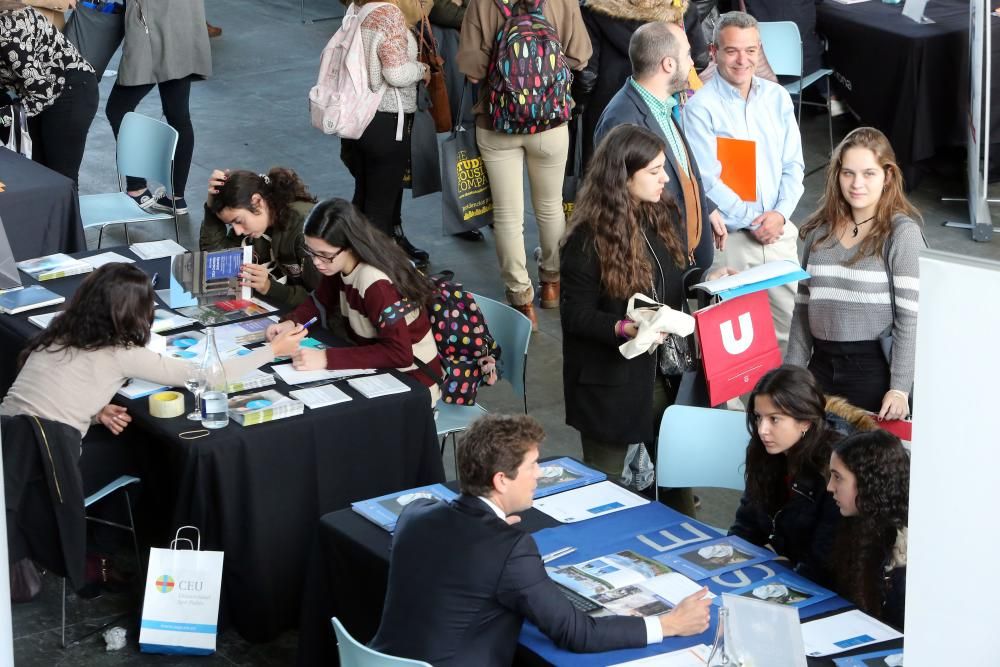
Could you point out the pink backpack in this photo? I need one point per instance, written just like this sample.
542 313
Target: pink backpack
342 101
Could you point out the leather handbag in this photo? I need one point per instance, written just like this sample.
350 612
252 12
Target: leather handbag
437 89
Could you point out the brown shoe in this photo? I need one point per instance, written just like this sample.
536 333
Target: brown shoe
213 31
528 310
550 295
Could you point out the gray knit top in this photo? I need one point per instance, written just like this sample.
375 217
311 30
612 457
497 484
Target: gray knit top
846 303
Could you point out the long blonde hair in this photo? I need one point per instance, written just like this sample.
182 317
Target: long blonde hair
834 211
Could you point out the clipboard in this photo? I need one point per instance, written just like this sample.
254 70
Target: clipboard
739 166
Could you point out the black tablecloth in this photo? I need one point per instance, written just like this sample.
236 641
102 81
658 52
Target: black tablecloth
39 208
257 492
907 79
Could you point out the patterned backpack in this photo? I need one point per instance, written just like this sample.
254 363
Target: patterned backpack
528 78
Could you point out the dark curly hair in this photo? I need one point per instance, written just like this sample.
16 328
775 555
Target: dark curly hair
280 188
795 392
881 468
492 444
113 307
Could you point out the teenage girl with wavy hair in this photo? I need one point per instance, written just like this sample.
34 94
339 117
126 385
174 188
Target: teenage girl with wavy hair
266 211
870 482
785 505
371 284
861 248
624 238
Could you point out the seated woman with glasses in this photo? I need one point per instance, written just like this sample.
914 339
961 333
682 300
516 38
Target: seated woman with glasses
371 284
265 211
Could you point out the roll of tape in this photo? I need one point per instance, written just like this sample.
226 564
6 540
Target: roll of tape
166 404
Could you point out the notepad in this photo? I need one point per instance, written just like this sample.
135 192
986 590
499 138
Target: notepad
320 397
100 260
291 376
739 166
157 249
375 386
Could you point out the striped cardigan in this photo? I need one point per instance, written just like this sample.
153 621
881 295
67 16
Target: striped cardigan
846 303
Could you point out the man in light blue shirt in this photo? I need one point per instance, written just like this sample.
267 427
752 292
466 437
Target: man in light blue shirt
739 105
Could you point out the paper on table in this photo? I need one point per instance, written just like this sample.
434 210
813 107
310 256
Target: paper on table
157 249
320 397
375 386
106 258
588 502
292 376
673 587
139 388
841 632
695 656
739 166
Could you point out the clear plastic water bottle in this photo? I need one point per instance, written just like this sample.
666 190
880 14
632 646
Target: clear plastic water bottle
214 399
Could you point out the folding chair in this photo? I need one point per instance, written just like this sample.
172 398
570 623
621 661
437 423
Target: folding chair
355 654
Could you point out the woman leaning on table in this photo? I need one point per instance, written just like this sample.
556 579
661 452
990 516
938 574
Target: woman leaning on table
266 212
624 238
861 249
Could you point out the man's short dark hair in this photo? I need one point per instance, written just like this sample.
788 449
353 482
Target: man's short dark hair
649 45
492 444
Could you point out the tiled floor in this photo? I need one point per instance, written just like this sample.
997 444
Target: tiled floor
253 114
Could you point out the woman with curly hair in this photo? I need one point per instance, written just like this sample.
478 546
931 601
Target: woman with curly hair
625 237
861 248
265 211
785 505
870 482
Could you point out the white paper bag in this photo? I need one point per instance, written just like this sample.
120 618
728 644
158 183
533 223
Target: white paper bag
180 609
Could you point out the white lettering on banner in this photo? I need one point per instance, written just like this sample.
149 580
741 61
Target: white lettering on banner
741 578
676 541
734 345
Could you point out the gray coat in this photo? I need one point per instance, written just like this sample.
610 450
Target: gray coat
164 40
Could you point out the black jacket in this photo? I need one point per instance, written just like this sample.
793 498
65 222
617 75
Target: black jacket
628 107
461 582
609 397
43 495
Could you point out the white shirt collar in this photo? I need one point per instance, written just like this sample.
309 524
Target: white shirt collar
493 506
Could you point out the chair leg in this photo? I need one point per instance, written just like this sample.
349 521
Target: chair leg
135 540
63 640
100 236
127 241
829 114
454 452
177 229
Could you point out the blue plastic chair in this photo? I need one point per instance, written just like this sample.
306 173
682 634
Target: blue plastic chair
701 447
783 45
119 484
355 654
145 149
512 331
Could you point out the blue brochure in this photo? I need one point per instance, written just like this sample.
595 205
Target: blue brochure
707 559
783 588
890 658
563 474
385 510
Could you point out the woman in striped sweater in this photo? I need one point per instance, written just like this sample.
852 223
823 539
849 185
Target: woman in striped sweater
861 249
369 281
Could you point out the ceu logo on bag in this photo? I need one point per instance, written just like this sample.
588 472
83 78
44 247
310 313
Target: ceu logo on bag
164 583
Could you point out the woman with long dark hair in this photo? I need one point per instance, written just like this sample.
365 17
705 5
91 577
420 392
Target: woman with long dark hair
267 212
74 367
870 482
624 238
785 504
861 248
371 283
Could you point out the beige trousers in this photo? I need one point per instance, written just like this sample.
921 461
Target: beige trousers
505 156
744 252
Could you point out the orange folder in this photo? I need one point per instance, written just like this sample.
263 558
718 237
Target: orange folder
739 166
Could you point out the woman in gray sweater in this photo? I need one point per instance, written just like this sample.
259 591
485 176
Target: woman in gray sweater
861 249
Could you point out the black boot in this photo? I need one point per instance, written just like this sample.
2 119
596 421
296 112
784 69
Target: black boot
419 257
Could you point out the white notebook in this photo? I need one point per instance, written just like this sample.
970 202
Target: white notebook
374 386
320 397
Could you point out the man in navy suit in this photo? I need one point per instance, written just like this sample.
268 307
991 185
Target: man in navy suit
661 61
463 577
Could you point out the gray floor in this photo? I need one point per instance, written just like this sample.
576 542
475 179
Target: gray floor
253 114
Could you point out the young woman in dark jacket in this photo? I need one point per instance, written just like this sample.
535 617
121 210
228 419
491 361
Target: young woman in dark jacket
624 238
786 505
870 482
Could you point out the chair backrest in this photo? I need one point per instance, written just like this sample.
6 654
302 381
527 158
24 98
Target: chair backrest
783 46
512 331
146 150
355 654
701 447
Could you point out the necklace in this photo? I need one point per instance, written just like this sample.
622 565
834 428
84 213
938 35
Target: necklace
857 225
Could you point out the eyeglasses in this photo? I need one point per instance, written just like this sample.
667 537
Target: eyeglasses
321 255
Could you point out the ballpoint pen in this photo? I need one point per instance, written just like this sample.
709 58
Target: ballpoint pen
558 553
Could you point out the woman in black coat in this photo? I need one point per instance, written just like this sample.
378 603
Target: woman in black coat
624 237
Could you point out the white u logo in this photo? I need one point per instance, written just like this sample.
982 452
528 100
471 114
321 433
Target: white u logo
739 345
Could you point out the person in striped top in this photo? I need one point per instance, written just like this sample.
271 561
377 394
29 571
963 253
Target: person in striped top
864 235
372 285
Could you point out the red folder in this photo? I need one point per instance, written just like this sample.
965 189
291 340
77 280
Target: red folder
738 344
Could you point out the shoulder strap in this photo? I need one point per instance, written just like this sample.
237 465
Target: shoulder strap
504 7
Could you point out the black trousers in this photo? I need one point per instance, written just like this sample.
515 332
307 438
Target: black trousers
59 133
378 163
856 371
174 97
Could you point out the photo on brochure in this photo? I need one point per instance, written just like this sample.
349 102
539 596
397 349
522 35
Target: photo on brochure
785 588
707 559
598 575
633 601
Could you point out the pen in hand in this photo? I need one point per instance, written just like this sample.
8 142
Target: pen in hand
311 322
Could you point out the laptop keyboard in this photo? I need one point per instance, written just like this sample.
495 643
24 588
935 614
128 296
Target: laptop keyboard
586 605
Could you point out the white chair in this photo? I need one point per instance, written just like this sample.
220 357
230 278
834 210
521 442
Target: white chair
355 654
